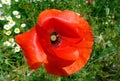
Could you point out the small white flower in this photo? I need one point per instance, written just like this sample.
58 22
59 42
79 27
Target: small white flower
0 5
18 16
15 12
7 2
17 30
7 27
86 1
23 25
52 0
11 40
106 23
9 18
8 32
17 49
39 0
2 18
8 76
6 43
13 80
16 0
79 5
11 23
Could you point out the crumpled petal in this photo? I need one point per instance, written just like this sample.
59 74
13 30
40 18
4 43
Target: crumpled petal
31 47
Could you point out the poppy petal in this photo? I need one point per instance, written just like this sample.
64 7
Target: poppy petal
66 52
72 68
67 24
76 66
46 15
31 47
53 69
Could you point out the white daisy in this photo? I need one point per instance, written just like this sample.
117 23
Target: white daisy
11 40
7 27
13 80
6 43
16 0
79 5
52 0
8 32
23 25
15 12
2 18
9 18
17 49
39 0
17 30
11 23
8 76
18 16
106 22
0 5
7 2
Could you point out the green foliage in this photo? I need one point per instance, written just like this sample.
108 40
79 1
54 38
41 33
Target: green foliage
104 18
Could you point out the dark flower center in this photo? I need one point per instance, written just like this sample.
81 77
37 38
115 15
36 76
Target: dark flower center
55 38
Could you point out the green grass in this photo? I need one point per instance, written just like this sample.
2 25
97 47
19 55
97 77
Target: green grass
104 18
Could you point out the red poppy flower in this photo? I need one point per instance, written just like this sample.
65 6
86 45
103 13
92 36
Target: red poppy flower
61 40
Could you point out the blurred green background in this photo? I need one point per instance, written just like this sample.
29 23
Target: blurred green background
102 15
